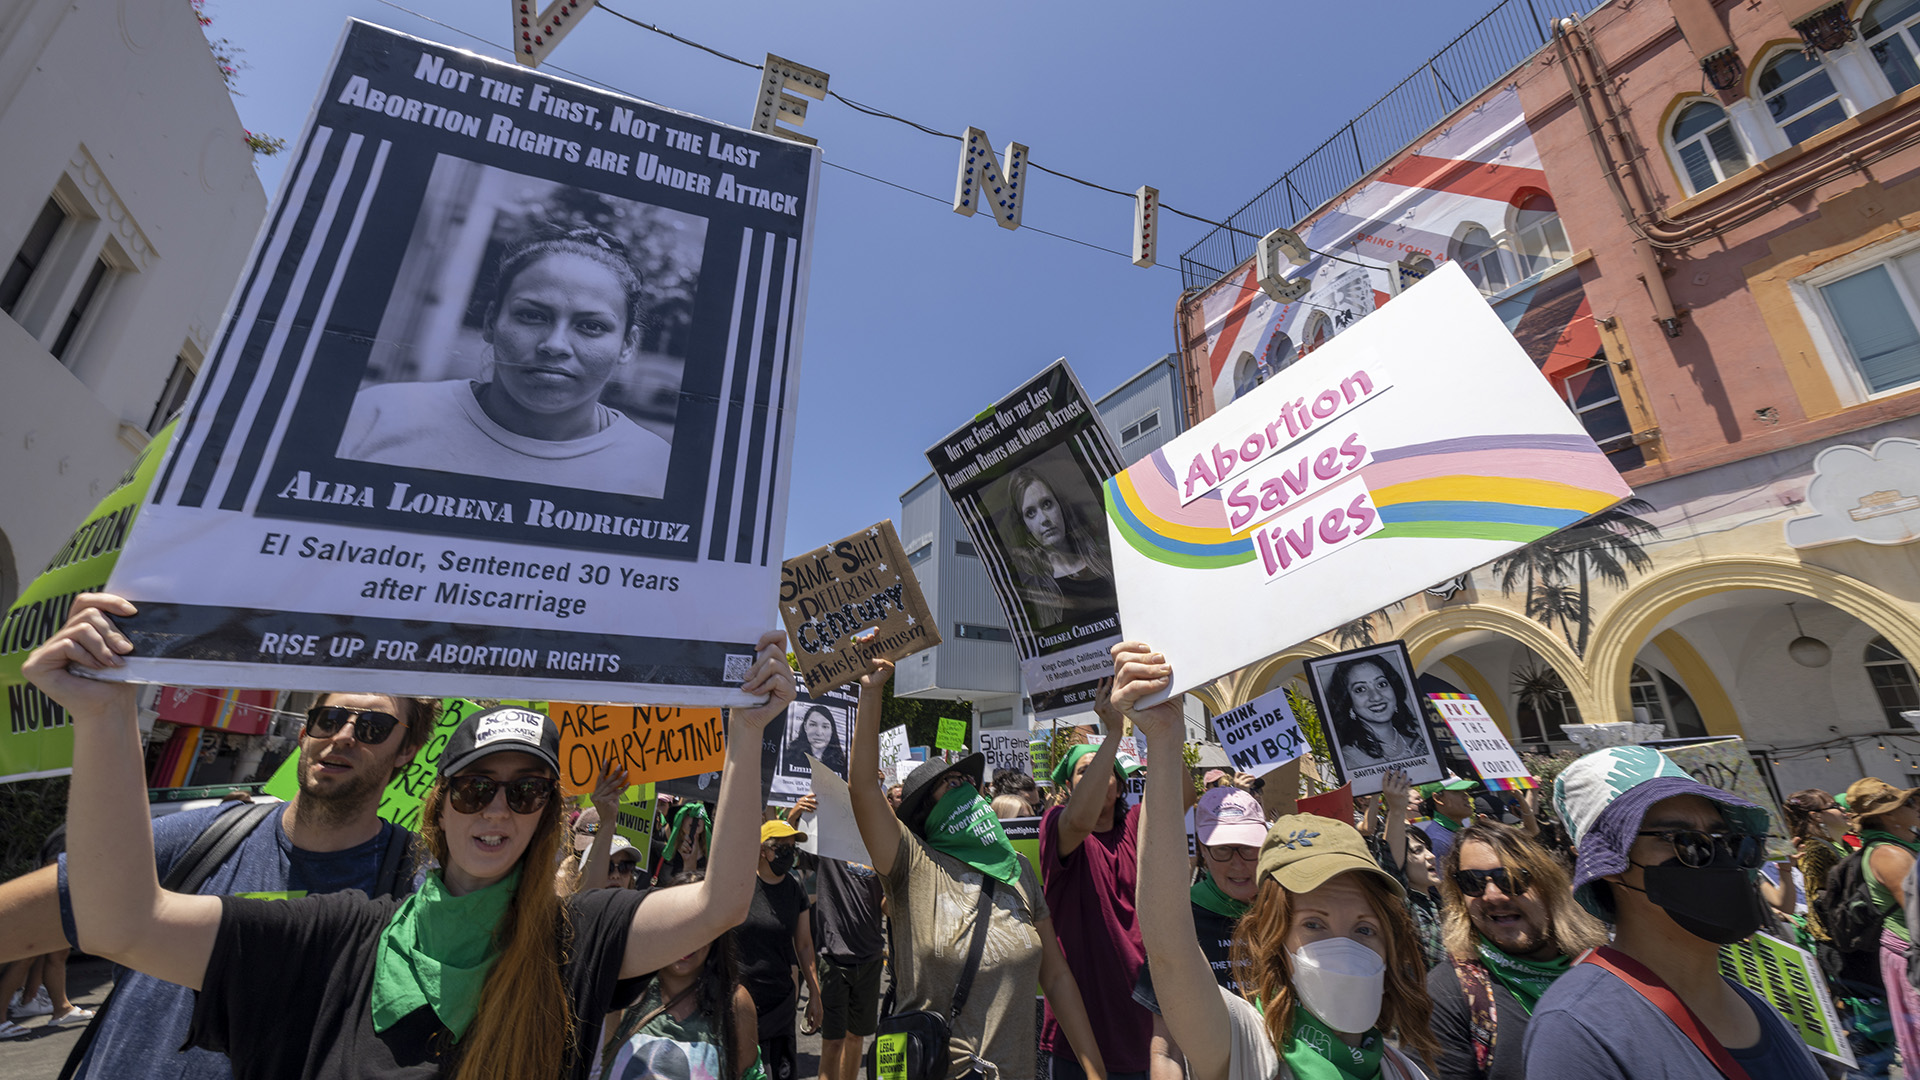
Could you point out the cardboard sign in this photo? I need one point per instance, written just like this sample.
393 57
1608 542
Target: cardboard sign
1790 980
894 750
1419 443
1493 757
1007 751
374 487
1261 735
1724 763
1374 719
952 735
855 599
1336 804
654 742
1025 476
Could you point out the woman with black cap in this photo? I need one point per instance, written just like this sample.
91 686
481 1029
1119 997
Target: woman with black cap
935 858
482 973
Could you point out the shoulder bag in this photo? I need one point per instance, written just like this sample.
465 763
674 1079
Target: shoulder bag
914 1045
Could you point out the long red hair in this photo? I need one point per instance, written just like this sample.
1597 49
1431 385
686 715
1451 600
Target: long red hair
524 1025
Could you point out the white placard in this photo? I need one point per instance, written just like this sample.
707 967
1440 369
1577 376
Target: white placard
895 749
834 834
1007 751
1261 735
1486 745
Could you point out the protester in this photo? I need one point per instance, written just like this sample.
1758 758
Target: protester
686 846
593 835
775 939
692 1019
939 858
893 796
1020 785
1670 863
852 944
1449 806
1510 928
1091 852
1326 948
1011 806
1820 832
1228 829
1422 882
1888 824
468 976
622 861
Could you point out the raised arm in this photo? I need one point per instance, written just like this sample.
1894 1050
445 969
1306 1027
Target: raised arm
1183 981
119 909
668 919
880 827
607 789
1076 822
1393 794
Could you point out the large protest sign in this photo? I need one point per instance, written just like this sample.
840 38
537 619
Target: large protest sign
1261 735
818 726
35 739
1790 980
504 405
1025 476
1493 757
1419 443
1372 715
400 802
1007 751
854 600
1724 763
654 742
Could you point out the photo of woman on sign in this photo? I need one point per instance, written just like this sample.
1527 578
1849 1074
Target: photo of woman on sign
813 728
1061 560
1368 696
564 316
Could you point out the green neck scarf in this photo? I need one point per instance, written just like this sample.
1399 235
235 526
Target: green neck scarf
962 824
1525 979
437 951
1209 895
1316 1053
1882 836
1450 824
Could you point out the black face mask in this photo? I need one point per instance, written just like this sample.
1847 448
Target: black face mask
782 861
1720 904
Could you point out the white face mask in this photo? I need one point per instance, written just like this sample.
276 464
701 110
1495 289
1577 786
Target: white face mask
1340 981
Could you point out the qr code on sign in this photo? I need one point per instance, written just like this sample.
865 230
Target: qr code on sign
738 664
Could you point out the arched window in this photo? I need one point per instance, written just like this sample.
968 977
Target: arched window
1545 706
1319 331
1279 353
1246 374
1893 681
1704 143
1666 701
1800 95
1536 225
1888 28
1477 254
1412 270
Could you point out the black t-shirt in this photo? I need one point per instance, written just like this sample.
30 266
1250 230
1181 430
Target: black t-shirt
846 922
1216 942
288 988
765 942
1452 1024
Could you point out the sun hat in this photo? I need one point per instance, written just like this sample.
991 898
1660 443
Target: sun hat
501 728
1603 797
778 829
1870 796
1452 784
1303 851
1214 775
1229 816
916 793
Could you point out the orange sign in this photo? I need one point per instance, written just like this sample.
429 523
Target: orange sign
654 742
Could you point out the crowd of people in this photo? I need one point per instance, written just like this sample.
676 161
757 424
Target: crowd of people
1207 929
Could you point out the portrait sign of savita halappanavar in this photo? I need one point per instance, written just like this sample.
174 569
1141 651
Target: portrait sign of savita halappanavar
819 726
504 406
1372 715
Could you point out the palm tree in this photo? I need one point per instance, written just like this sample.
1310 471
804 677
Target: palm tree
1360 633
1605 546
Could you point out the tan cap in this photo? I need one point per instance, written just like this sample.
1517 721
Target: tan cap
1303 851
1871 795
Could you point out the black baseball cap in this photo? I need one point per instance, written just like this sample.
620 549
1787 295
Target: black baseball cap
503 727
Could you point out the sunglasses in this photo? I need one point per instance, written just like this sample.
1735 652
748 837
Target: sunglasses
525 795
1699 849
370 728
1474 882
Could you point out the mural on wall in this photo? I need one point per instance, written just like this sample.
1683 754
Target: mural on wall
1561 570
1473 193
1861 494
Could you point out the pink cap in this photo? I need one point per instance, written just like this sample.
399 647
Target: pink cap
1229 816
1213 775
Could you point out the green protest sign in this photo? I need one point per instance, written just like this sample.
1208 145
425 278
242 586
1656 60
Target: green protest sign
35 739
1789 978
635 818
400 803
952 735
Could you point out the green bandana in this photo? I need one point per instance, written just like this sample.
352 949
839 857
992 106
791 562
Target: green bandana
437 951
698 811
1881 836
1063 772
962 824
1526 980
1450 824
1209 895
1316 1053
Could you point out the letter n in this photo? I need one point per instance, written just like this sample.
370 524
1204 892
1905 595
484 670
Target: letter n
983 180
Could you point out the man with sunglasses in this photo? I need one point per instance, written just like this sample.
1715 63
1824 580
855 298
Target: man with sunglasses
1510 929
1671 863
327 838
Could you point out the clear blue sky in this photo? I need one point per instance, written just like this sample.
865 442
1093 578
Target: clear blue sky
918 317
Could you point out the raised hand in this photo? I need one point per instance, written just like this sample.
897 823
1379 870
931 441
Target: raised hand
879 672
770 676
91 642
607 789
1138 672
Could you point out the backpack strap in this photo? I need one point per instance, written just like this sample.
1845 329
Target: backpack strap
394 864
981 915
1483 1021
1648 985
209 851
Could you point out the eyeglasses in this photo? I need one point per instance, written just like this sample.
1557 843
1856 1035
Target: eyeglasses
1698 849
1474 882
525 795
1228 852
370 728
